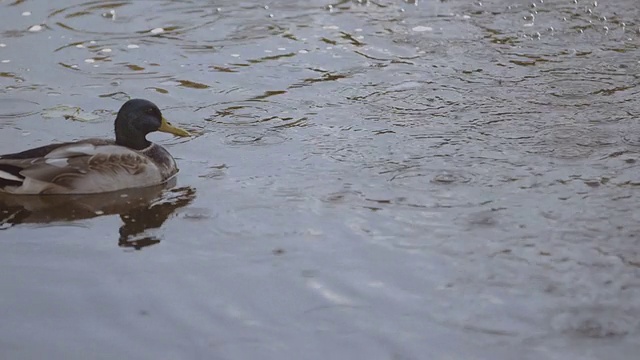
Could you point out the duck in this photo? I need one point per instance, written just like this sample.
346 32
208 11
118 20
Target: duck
96 165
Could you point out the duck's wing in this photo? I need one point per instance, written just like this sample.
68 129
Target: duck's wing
76 168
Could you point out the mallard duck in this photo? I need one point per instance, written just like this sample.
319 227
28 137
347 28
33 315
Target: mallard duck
96 165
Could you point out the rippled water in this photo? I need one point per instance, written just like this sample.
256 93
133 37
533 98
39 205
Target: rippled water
369 179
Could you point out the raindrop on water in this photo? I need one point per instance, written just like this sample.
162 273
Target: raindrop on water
26 13
35 28
111 14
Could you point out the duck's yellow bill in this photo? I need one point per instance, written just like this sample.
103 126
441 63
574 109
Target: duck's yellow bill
166 126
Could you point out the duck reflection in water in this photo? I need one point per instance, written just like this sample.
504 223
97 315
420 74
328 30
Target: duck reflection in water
139 209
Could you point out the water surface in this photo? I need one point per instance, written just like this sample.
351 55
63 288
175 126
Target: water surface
367 179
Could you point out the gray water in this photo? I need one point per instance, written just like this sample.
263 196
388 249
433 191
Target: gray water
367 180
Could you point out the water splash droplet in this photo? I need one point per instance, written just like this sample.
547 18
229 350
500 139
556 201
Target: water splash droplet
35 28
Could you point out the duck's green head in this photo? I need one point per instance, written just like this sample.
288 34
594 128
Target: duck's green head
136 119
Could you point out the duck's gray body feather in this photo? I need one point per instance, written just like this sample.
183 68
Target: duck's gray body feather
84 167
